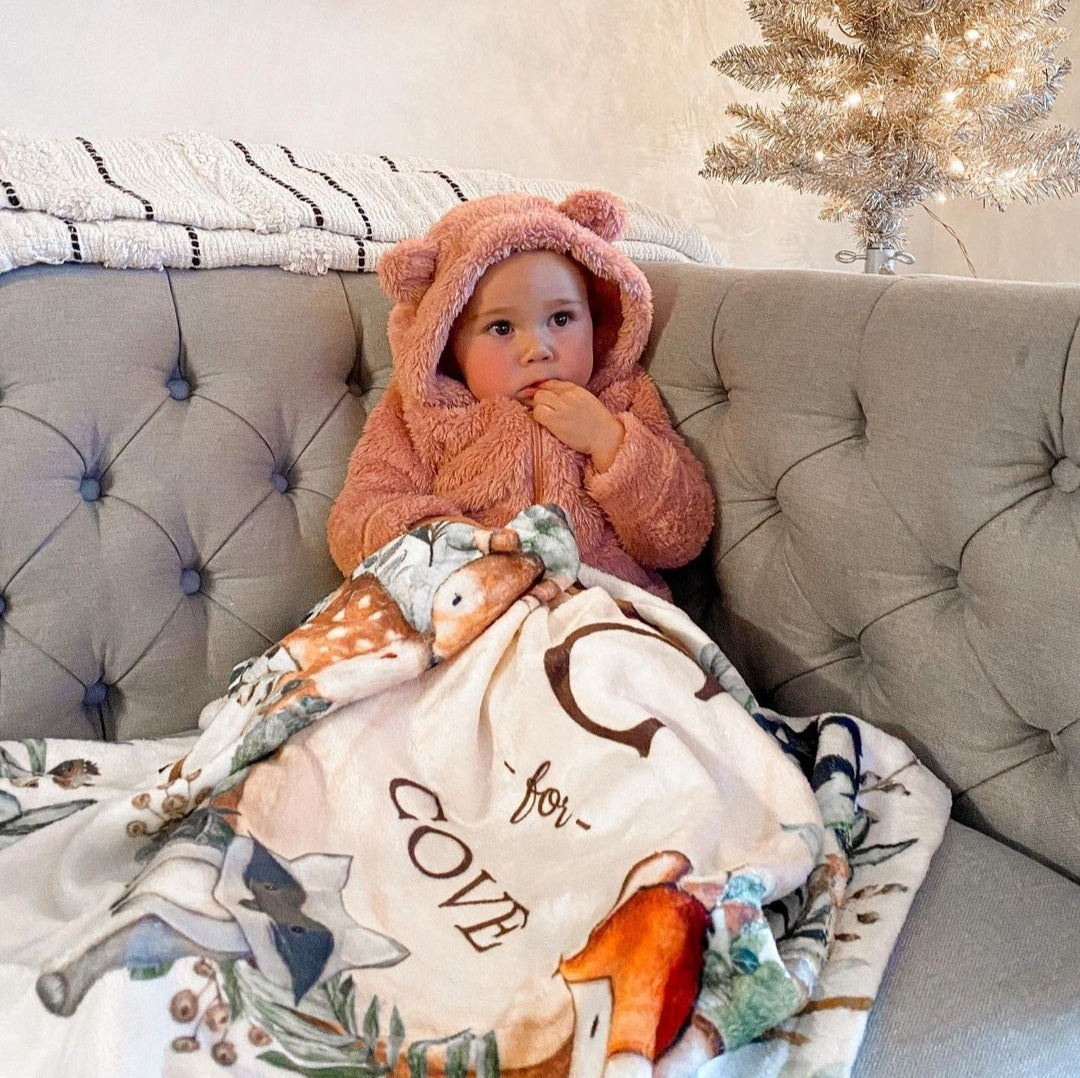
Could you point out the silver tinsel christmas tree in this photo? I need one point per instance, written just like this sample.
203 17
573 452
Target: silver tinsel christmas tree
892 103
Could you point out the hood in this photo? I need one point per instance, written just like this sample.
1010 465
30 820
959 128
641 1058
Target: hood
430 280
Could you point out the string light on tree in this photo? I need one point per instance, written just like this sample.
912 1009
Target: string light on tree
894 103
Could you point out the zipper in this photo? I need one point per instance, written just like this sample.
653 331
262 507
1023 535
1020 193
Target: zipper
537 462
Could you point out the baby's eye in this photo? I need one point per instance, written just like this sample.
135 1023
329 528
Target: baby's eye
562 318
500 328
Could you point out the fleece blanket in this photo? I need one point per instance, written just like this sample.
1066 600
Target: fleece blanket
483 810
192 200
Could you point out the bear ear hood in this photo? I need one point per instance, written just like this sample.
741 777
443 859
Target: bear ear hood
430 279
407 270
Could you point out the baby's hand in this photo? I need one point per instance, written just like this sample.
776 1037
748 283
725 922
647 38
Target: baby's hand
578 420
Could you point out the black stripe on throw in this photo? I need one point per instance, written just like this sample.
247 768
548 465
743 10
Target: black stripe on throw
196 253
76 243
13 199
361 255
298 195
443 176
103 172
383 157
332 183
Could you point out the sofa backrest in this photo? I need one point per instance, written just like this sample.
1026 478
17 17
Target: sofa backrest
898 468
173 442
897 462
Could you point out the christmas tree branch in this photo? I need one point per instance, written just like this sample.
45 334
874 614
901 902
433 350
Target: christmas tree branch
893 102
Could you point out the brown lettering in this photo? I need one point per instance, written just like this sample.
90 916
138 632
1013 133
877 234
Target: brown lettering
502 926
396 785
440 855
557 668
483 877
545 800
639 737
463 864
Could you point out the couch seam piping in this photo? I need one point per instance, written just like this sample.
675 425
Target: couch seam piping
1064 375
157 523
906 603
315 433
357 325
869 318
30 557
247 422
990 520
232 613
176 319
810 670
312 490
900 519
809 456
806 598
239 524
743 538
703 408
48 426
990 681
150 643
8 625
134 434
730 457
1005 770
712 334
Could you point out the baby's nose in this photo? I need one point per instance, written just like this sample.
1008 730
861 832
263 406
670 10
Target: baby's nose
536 348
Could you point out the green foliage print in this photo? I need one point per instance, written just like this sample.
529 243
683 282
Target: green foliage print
322 1038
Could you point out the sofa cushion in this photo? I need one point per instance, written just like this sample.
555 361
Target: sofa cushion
984 981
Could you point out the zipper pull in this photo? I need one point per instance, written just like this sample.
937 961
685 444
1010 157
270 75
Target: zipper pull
537 462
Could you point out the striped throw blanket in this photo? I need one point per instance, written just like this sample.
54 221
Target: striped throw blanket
191 200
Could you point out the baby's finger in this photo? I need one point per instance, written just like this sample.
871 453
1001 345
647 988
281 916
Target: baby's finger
544 406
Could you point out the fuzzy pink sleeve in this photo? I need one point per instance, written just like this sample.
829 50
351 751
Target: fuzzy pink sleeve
387 489
655 493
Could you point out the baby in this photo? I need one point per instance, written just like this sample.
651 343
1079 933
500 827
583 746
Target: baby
516 334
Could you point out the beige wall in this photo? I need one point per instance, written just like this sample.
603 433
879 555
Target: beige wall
600 91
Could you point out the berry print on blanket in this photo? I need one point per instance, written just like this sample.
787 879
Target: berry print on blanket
484 810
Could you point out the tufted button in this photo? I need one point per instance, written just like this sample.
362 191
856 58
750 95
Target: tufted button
280 482
179 388
190 581
90 488
95 694
1066 475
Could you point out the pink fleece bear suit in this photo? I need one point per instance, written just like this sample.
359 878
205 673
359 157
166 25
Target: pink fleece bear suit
431 449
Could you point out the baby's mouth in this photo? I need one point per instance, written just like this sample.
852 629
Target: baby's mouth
530 390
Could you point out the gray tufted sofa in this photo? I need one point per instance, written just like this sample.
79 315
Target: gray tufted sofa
898 470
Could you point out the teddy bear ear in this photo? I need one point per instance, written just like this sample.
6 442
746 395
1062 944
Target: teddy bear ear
407 269
600 211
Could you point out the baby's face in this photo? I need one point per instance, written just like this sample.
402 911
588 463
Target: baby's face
527 321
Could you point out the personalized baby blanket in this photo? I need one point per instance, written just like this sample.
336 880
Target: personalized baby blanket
483 810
